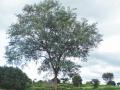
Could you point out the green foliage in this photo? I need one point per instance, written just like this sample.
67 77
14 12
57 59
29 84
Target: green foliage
64 80
107 76
13 78
69 68
89 83
77 80
71 87
50 31
95 83
111 83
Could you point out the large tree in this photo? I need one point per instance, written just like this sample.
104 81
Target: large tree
51 33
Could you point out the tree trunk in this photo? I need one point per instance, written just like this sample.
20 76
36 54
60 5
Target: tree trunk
55 82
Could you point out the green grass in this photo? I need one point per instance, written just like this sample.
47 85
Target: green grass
43 88
71 87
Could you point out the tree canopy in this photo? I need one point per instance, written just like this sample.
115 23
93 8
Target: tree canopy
77 80
51 33
107 76
95 82
13 78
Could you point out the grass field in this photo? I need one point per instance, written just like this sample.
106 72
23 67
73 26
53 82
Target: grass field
71 87
44 86
76 88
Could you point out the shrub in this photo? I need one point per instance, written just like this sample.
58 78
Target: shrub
111 83
64 80
95 83
89 83
77 80
13 78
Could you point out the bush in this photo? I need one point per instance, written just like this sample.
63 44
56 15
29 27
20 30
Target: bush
77 80
111 83
89 83
95 83
13 78
64 80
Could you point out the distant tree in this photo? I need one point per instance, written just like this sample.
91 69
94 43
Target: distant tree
40 81
52 32
111 83
95 83
107 76
64 80
118 84
13 79
77 80
89 83
69 68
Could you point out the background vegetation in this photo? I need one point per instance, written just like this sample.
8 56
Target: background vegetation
14 79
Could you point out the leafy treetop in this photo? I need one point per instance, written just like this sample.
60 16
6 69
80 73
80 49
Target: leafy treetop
49 32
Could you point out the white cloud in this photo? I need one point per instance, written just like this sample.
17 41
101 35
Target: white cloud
110 45
31 70
3 43
12 4
9 9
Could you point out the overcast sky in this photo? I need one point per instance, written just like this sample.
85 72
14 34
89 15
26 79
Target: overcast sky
106 58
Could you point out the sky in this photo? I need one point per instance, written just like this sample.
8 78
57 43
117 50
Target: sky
105 58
